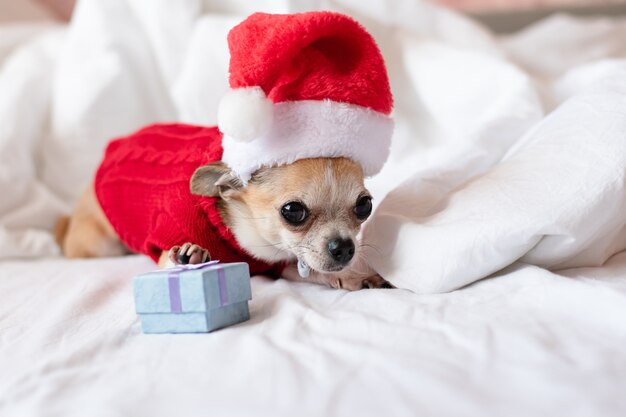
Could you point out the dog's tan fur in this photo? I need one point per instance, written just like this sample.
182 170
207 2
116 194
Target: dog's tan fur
88 233
329 187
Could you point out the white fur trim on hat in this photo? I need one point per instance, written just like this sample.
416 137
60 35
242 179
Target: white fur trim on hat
245 113
314 129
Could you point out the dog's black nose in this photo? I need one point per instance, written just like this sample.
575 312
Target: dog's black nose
341 250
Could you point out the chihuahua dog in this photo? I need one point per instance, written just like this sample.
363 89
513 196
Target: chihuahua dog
307 214
306 117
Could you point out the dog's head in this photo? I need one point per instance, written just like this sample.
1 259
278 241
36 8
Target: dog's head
311 209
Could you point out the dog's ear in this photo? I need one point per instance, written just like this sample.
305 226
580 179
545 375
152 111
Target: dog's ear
215 180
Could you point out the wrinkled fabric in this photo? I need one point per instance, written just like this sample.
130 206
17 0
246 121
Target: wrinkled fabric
526 342
508 153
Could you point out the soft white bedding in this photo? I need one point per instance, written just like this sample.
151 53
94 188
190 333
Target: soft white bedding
505 150
525 343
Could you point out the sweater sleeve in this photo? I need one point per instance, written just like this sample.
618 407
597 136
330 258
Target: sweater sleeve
164 234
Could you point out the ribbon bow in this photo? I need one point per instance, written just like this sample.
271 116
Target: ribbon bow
173 280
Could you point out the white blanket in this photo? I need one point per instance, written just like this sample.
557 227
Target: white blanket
504 149
524 343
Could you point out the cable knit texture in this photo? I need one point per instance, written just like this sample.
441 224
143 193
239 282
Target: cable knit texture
142 185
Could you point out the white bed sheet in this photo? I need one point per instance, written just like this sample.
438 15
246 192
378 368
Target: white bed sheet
525 343
473 113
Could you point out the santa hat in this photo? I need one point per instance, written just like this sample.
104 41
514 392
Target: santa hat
304 85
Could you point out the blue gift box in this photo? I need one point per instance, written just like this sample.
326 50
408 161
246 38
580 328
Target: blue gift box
193 298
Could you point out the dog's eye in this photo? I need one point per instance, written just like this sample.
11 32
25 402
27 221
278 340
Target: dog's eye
363 207
295 213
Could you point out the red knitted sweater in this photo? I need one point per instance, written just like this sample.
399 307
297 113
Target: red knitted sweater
142 185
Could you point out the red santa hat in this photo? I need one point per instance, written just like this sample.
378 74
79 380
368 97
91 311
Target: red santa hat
304 85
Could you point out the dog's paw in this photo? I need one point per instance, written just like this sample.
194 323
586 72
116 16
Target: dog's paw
360 283
188 253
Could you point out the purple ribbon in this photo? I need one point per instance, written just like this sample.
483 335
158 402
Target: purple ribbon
173 281
221 281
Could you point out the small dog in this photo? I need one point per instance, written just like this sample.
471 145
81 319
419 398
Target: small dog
307 212
306 118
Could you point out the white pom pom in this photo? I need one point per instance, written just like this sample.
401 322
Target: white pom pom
245 113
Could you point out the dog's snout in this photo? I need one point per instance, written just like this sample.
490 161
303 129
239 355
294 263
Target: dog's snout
341 250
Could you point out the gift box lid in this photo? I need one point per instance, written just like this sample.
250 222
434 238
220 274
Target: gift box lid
192 288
